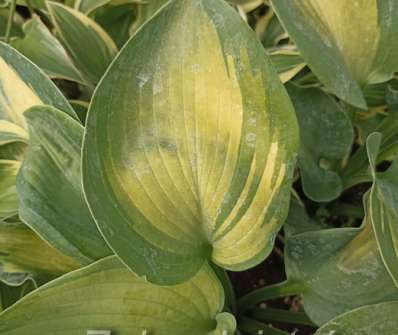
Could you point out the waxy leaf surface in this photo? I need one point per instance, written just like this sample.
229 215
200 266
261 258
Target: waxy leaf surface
379 319
49 186
107 296
188 154
347 44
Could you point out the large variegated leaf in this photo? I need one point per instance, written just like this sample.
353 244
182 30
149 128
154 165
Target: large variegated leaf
188 156
106 297
8 192
42 48
383 208
339 270
326 139
89 45
23 85
23 255
49 186
347 44
379 319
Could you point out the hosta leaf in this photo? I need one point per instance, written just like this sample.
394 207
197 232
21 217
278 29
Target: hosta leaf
358 170
23 255
80 108
49 186
339 270
43 49
89 45
196 152
11 133
23 85
326 138
269 30
347 44
16 29
376 319
383 208
106 296
8 192
117 21
145 11
287 63
87 6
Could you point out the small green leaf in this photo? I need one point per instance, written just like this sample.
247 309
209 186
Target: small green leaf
8 192
43 49
106 296
348 44
340 269
196 150
49 186
90 47
23 255
23 85
326 138
379 319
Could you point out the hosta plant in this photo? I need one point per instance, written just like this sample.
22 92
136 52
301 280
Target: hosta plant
204 167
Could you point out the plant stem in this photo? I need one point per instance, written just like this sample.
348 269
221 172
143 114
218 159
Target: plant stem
280 315
283 289
254 327
10 20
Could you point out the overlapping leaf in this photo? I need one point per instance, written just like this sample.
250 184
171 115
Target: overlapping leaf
23 85
106 296
43 49
188 156
89 45
383 208
339 270
24 255
287 63
357 170
49 186
348 44
326 138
